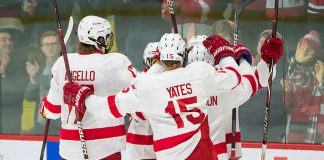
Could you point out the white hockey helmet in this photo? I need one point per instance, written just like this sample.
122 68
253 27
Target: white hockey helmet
198 52
171 47
149 52
197 38
91 28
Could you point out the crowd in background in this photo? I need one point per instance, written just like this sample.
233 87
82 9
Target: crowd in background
29 46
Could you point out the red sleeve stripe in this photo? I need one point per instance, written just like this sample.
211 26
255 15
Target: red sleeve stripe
56 109
238 75
112 107
258 79
139 139
229 137
131 69
140 115
252 82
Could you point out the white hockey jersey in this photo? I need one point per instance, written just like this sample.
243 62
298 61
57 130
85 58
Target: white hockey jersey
174 103
222 136
106 74
139 137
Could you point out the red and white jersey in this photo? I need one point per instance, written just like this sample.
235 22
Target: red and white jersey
218 117
139 138
106 74
174 103
261 72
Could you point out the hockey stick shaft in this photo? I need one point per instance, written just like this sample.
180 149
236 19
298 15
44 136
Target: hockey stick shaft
239 8
66 37
233 146
173 18
268 98
67 67
44 139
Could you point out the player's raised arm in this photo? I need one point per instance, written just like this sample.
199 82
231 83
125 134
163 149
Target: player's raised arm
227 73
271 48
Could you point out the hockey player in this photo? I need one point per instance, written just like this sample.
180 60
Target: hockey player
174 101
218 120
104 74
139 138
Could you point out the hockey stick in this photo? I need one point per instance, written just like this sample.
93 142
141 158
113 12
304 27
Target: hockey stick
66 38
44 139
173 18
268 98
68 30
67 67
238 9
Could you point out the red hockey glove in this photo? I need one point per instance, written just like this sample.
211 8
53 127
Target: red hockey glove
75 95
272 48
241 51
218 47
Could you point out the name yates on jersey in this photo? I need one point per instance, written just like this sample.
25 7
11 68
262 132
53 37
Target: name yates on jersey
81 75
179 90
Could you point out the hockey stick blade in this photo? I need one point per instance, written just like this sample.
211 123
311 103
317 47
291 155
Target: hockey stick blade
68 30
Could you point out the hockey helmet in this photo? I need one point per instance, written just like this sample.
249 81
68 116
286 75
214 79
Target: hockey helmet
171 47
149 52
198 52
91 28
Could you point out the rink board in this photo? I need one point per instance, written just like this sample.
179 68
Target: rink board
14 147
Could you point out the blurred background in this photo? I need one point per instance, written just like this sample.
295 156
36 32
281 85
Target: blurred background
29 47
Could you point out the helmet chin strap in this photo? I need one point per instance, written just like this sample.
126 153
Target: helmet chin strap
103 48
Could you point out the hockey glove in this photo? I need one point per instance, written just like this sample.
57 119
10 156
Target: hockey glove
218 47
272 48
75 95
241 51
41 108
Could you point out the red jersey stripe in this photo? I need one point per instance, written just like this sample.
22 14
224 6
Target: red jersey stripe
93 134
112 106
139 139
252 82
237 74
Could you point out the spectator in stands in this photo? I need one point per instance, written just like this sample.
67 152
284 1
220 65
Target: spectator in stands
39 70
13 76
303 91
225 29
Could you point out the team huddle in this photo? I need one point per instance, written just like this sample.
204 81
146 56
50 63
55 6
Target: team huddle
180 105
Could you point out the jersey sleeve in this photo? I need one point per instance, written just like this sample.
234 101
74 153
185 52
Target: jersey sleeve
128 72
262 74
52 103
227 75
114 106
243 91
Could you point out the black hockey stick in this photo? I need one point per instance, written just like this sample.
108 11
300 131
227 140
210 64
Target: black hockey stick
238 9
268 98
44 139
173 18
66 37
67 67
